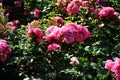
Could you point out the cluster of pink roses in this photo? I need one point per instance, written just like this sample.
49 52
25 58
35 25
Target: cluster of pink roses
72 6
55 35
4 50
114 66
69 33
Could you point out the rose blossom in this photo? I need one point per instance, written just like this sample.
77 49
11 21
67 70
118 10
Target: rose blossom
4 50
72 8
36 13
37 32
53 47
53 34
114 67
106 12
85 3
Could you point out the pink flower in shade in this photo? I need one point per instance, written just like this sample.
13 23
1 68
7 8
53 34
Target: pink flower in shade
85 3
18 3
36 13
74 60
57 20
53 47
12 25
4 50
72 8
106 12
37 33
83 33
68 33
117 75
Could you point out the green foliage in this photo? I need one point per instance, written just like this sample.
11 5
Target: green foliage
33 60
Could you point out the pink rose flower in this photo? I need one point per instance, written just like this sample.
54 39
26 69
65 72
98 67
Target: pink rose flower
109 65
106 12
53 34
83 33
4 50
85 3
114 67
36 13
53 47
12 25
37 32
68 32
72 8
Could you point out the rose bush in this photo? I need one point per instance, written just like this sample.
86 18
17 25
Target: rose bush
61 40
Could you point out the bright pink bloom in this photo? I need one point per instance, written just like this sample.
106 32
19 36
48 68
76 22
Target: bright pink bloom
18 3
4 50
53 47
109 65
106 12
68 32
36 13
57 20
83 33
37 32
53 34
114 67
85 3
72 8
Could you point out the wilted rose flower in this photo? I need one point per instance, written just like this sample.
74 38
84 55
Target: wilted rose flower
53 47
74 60
18 3
33 24
4 50
36 13
58 20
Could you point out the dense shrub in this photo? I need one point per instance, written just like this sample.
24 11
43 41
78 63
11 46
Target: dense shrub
62 40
